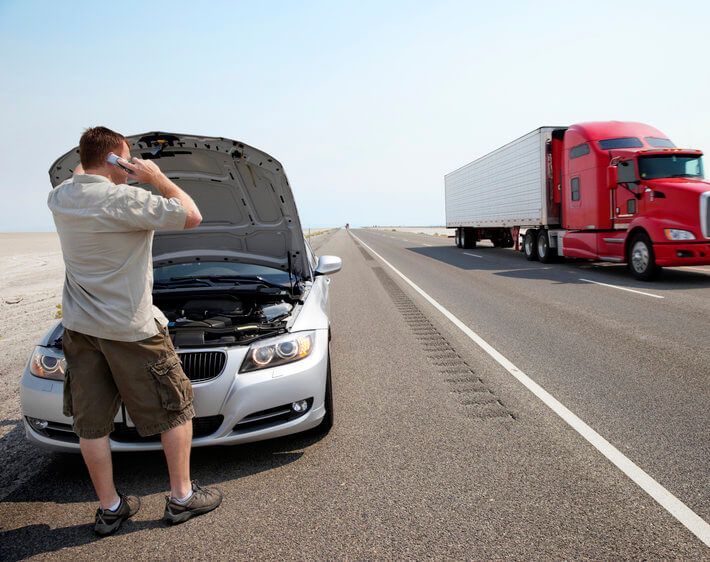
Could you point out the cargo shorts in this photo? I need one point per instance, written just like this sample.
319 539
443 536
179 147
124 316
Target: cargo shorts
145 375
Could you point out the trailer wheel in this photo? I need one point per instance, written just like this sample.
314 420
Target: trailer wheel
641 259
530 244
468 238
544 253
457 237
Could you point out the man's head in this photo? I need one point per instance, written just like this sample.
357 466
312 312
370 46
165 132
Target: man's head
95 145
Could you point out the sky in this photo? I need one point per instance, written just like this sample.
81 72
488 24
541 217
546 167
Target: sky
366 103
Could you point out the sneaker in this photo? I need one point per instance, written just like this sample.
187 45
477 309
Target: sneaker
108 522
202 501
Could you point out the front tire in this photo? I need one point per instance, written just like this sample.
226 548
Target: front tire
326 423
641 259
530 244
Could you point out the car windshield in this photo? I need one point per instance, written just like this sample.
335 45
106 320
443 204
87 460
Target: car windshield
670 166
215 269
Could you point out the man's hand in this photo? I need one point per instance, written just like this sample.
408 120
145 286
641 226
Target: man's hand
145 171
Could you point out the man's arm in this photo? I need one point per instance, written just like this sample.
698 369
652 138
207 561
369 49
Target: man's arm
147 171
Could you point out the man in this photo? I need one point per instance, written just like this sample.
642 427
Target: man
115 341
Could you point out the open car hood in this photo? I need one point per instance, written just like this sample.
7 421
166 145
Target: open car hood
248 210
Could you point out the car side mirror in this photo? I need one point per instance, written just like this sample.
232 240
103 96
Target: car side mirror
328 265
612 177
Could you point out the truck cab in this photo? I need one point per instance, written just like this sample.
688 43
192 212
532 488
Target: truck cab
628 194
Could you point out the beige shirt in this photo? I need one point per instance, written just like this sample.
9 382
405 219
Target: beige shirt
106 234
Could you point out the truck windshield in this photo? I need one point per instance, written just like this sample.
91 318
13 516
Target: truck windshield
623 142
670 166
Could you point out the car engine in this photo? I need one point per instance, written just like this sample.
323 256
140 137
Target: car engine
215 320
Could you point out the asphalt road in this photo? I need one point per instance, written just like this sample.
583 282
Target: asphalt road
437 451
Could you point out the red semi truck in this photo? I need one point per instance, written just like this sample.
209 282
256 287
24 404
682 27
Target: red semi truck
610 191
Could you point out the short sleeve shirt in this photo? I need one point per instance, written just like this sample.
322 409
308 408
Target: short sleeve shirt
106 235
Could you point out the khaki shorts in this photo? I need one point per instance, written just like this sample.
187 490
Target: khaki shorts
145 375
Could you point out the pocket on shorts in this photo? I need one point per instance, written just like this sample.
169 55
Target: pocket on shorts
174 388
67 403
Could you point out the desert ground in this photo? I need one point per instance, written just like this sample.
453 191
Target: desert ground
30 290
431 230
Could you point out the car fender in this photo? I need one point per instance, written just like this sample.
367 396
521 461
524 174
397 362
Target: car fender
314 312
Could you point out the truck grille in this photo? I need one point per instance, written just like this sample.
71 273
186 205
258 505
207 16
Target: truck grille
202 365
705 213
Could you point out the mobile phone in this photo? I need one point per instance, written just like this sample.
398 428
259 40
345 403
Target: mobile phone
118 162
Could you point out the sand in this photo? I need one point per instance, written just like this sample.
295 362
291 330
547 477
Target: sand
31 277
430 230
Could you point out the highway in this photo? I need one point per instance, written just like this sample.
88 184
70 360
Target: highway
438 451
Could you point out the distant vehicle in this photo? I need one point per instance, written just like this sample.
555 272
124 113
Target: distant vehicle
347 226
246 299
609 191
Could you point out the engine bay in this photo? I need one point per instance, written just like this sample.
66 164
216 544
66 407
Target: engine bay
196 320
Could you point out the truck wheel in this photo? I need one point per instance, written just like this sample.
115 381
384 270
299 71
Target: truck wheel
457 237
641 259
544 253
530 244
468 238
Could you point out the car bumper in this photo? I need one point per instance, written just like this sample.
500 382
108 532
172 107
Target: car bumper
233 408
683 253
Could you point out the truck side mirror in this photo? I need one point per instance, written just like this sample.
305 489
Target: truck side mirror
612 177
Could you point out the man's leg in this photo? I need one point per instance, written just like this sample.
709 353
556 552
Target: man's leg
91 398
176 444
97 456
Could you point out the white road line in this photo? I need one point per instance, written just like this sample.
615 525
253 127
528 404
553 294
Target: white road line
425 244
691 520
622 288
473 255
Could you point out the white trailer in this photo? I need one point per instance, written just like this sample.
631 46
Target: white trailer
503 190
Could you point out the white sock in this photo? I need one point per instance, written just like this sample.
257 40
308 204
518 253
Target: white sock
115 506
183 501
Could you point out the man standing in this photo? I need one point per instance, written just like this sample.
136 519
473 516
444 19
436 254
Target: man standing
115 341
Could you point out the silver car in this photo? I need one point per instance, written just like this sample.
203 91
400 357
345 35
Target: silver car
246 300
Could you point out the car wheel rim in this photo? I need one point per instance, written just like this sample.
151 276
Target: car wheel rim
640 257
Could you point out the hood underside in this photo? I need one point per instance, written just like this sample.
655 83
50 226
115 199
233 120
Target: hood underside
247 206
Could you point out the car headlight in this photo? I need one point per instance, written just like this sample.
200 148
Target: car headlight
274 352
675 234
48 363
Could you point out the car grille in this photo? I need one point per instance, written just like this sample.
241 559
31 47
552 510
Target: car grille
202 365
270 417
201 427
705 213
60 432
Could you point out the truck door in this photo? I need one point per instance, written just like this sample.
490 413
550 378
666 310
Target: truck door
624 202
